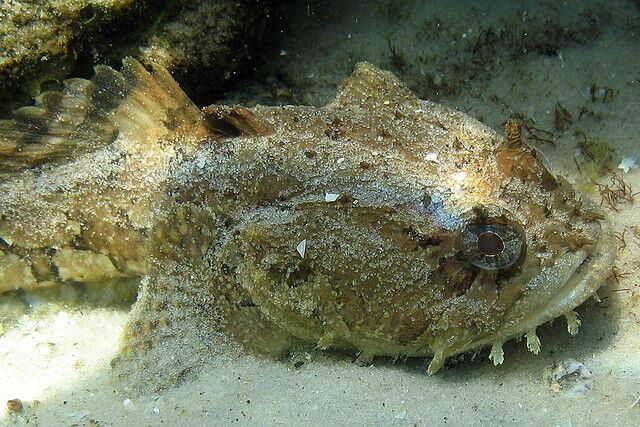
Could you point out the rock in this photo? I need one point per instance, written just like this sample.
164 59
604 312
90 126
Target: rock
41 41
203 43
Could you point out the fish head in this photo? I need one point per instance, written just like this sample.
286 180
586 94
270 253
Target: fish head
527 246
511 244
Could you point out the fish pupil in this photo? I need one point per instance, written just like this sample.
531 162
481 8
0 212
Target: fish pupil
489 243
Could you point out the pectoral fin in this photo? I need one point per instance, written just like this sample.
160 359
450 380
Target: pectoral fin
171 333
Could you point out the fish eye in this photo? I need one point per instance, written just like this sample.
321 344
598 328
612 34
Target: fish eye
491 246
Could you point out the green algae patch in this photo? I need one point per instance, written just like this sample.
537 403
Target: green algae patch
596 160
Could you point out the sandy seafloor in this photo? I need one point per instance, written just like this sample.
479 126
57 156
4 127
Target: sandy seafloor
59 356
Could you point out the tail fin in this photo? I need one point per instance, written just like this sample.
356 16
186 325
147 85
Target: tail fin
134 104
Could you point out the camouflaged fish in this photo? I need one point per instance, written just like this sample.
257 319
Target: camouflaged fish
380 224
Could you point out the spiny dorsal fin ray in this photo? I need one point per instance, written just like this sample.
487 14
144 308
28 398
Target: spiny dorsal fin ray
371 88
134 104
236 121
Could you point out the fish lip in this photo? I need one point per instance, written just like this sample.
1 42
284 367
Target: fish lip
573 292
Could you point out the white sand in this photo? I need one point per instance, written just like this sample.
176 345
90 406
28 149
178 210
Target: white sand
73 384
70 375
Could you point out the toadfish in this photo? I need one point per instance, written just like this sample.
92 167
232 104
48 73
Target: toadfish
379 224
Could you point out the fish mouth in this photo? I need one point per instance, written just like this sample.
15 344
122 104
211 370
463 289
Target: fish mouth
584 273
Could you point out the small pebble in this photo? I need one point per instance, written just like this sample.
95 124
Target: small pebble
401 415
627 164
128 404
14 405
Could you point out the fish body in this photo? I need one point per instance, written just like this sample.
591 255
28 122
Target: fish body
379 224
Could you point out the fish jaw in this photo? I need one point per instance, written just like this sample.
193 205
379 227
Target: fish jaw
584 274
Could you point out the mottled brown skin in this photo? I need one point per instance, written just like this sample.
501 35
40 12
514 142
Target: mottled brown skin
383 272
81 174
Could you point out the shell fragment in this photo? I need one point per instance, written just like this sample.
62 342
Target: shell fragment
302 248
330 197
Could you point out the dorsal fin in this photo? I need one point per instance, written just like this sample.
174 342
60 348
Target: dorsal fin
134 104
371 88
